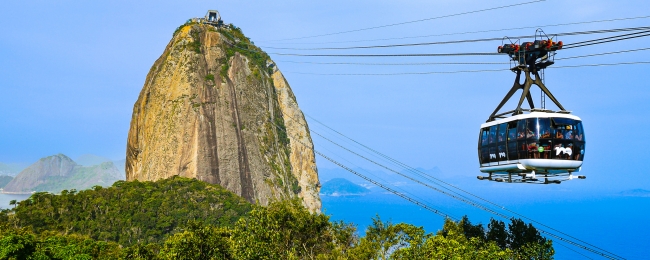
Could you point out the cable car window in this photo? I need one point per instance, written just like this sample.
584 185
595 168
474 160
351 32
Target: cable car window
485 155
544 127
578 151
523 149
563 150
531 129
512 150
564 128
533 150
563 121
493 133
501 133
502 153
545 148
512 131
484 136
579 132
521 129
493 154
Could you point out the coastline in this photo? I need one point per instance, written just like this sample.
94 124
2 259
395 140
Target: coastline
16 193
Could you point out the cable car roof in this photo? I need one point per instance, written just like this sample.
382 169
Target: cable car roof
533 114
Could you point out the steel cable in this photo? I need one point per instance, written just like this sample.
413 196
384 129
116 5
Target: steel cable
484 31
462 41
409 22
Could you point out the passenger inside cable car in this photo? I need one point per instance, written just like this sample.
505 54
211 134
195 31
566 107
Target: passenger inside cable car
532 138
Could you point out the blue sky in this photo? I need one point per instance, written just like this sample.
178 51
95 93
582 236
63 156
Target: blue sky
71 71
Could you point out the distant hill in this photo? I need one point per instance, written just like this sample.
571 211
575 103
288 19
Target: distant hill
4 179
120 164
636 193
11 169
59 172
342 187
91 160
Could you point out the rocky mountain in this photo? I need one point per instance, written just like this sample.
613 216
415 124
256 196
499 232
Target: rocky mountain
214 107
59 172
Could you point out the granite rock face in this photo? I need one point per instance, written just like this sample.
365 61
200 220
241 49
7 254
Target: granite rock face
213 107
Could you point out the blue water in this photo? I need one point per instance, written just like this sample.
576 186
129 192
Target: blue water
6 198
617 224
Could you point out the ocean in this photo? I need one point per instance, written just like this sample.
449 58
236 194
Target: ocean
6 198
617 224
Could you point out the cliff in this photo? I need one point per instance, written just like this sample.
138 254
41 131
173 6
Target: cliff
213 107
58 172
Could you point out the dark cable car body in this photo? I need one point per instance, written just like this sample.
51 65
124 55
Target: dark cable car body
531 145
535 143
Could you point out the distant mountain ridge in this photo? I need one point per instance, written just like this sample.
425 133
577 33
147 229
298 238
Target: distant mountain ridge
342 187
91 160
59 172
636 193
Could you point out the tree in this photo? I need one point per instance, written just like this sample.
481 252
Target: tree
285 230
198 242
497 233
470 230
16 243
382 239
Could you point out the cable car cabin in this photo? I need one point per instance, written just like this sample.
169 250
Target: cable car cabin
527 144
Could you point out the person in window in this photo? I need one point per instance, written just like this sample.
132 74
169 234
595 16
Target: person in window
558 134
530 134
520 135
546 134
578 135
569 135
532 151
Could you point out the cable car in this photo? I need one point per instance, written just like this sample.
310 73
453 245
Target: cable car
534 145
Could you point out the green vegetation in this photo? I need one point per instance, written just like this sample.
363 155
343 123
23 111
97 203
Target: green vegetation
244 46
195 45
129 212
286 230
209 77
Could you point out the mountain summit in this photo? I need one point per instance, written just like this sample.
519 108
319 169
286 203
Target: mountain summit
214 107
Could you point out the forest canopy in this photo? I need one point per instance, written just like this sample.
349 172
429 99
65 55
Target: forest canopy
182 218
